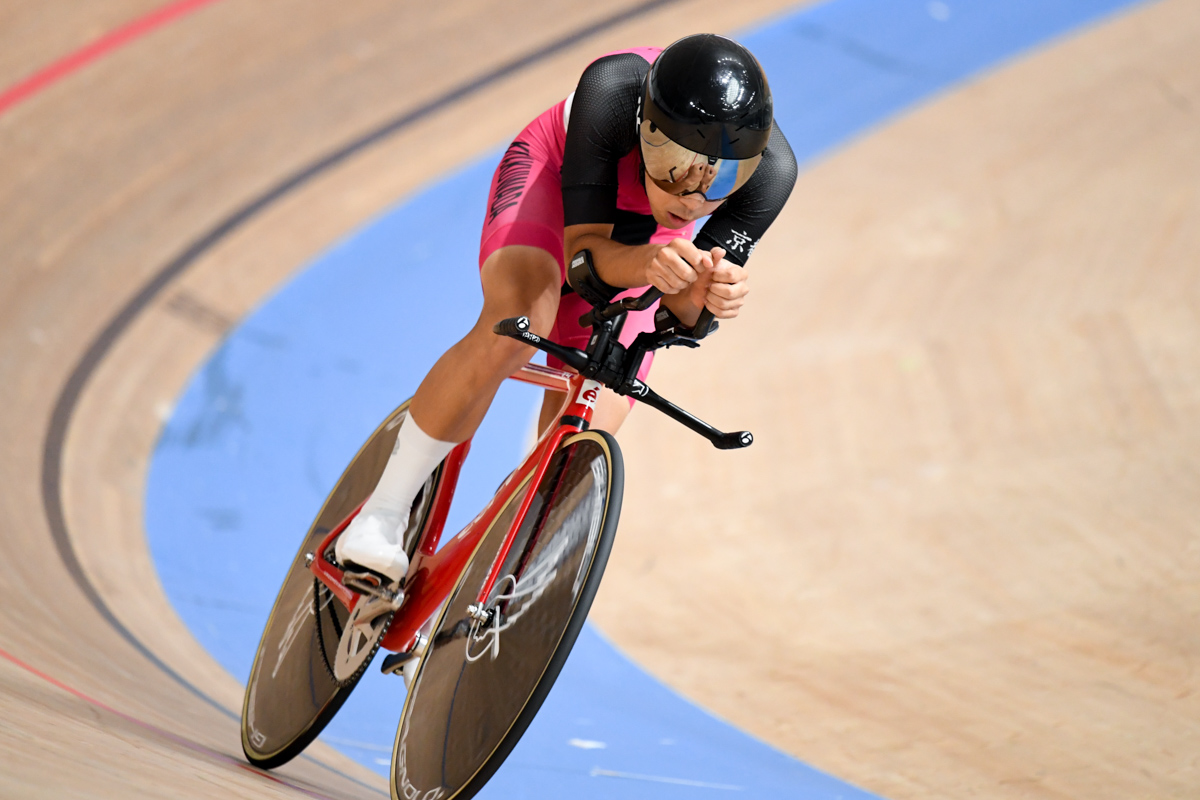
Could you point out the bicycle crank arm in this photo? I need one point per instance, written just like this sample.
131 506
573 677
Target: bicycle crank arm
720 439
518 328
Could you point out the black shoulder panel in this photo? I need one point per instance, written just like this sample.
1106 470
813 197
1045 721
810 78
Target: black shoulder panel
602 130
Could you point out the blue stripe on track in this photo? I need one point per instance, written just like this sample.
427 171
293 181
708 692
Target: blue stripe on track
267 423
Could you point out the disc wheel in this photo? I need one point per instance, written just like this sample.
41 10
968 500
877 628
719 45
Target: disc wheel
471 700
293 689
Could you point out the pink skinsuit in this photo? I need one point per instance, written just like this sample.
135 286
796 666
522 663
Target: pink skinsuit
525 207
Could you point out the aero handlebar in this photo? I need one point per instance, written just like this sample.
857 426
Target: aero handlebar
615 366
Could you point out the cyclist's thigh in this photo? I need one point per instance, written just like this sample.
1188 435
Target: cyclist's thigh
521 245
520 280
525 201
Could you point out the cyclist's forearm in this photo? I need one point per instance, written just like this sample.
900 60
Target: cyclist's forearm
681 306
620 265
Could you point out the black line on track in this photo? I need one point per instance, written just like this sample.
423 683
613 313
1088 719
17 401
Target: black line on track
72 391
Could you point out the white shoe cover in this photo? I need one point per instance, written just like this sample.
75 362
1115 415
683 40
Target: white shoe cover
372 540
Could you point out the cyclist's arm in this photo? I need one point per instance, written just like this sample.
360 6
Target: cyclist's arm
601 132
670 268
739 223
731 234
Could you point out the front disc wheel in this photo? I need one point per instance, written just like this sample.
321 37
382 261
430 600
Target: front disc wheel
489 666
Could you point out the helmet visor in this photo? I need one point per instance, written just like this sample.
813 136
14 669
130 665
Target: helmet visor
678 170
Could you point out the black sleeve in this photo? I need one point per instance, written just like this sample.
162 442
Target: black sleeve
602 129
742 220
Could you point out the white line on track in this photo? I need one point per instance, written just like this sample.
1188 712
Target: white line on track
597 772
334 740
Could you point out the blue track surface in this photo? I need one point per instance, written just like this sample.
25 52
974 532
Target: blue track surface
269 421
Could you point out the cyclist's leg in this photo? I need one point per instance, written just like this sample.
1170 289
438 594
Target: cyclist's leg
452 400
521 268
455 395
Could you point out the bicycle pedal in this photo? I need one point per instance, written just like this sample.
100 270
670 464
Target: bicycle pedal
395 662
405 664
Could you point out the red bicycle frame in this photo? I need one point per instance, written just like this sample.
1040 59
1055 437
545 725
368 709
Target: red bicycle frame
434 573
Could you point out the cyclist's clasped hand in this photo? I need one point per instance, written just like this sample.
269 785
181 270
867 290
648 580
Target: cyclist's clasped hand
711 281
677 265
723 288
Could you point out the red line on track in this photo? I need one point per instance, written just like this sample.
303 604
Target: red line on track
179 740
97 49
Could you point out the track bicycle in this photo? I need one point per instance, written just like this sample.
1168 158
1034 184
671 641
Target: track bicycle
483 623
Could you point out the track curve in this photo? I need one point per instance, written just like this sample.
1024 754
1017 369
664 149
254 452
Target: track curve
207 133
1090 437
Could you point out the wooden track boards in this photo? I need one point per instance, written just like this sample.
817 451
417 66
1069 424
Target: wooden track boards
960 559
108 176
961 563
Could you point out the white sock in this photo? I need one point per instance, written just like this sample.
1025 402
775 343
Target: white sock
415 455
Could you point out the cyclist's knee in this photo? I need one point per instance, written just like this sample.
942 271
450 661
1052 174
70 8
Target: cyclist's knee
517 281
611 411
521 281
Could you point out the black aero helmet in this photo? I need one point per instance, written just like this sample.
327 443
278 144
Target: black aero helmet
706 104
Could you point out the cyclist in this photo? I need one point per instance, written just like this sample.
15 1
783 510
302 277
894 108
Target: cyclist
649 142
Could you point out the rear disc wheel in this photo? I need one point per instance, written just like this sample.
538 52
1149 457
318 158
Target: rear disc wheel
293 689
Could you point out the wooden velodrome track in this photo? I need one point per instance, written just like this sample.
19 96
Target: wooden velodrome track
961 558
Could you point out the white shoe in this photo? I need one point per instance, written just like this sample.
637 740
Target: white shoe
372 540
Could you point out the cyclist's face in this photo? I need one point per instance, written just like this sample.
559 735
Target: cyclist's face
677 209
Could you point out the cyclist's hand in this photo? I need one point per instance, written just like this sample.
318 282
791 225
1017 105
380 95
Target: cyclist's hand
677 266
722 289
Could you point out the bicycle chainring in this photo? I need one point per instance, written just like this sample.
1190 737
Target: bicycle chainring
358 638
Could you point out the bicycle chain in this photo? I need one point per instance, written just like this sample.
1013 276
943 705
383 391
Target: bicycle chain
337 627
317 588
